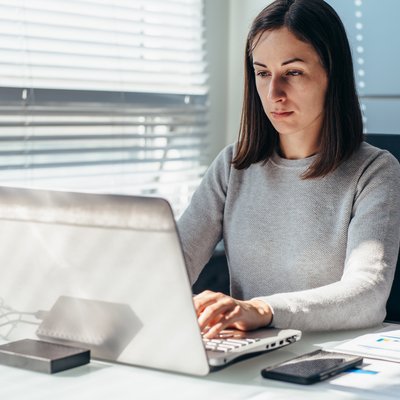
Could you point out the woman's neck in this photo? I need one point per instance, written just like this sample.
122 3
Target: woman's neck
294 147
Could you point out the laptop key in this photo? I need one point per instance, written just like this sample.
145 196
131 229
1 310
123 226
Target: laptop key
239 342
231 343
225 345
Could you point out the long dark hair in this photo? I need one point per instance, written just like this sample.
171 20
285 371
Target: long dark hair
314 22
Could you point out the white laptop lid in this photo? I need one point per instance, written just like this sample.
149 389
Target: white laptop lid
109 267
105 272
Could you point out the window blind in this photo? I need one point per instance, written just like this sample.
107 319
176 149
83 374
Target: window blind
104 96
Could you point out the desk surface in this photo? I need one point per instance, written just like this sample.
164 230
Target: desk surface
99 380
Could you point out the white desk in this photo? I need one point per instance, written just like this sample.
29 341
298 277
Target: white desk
99 380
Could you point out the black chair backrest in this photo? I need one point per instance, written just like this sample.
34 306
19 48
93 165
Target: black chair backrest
393 303
391 143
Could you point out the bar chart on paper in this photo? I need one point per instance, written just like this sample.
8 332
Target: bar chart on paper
390 343
381 345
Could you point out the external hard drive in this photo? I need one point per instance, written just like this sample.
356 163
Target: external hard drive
41 356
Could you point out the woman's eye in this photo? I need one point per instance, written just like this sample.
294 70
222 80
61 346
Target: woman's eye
262 74
294 73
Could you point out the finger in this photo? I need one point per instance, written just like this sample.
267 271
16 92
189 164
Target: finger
205 328
215 312
213 331
227 320
217 329
213 309
205 299
232 333
202 304
235 313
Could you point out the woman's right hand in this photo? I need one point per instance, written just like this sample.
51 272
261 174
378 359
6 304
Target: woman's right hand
218 311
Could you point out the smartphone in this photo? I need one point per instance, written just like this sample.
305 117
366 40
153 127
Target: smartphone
312 367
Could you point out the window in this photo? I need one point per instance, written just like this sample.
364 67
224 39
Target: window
103 96
371 30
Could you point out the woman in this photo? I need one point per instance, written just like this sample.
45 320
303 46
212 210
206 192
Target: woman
309 213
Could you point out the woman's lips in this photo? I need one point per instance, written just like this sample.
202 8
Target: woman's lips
280 115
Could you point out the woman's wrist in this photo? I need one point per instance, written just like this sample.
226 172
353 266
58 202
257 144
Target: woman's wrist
264 311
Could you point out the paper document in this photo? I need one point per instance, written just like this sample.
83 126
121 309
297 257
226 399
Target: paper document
374 380
380 345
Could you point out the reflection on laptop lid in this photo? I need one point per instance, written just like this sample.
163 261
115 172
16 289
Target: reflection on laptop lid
107 272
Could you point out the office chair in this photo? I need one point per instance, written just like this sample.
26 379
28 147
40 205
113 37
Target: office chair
393 303
390 142
215 275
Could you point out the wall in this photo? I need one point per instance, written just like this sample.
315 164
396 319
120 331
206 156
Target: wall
217 38
242 13
227 24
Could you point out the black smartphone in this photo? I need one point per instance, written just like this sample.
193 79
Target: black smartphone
312 367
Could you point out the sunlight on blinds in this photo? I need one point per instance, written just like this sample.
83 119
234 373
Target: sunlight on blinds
139 45
104 96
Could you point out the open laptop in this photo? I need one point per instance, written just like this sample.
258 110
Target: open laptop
107 272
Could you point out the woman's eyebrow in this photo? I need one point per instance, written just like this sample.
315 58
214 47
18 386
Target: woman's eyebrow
292 60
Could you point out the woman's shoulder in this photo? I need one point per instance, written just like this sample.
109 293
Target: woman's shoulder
369 159
228 151
225 156
370 153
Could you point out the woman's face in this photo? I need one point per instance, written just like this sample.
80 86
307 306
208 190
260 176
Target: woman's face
291 83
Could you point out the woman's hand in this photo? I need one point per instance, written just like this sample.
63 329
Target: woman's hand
217 311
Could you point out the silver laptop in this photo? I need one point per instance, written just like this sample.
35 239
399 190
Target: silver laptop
106 272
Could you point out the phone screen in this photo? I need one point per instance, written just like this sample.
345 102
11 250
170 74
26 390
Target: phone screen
312 367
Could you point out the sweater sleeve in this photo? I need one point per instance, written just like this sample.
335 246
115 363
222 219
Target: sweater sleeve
359 299
200 226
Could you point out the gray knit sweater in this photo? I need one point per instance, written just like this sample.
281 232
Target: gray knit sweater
320 252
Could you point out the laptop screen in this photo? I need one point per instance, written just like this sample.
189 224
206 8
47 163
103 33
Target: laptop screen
100 271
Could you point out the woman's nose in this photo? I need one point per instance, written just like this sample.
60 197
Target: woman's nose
275 90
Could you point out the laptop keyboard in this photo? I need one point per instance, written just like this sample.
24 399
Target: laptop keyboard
226 345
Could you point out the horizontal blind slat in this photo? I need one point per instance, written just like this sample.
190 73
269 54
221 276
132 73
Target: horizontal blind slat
100 150
88 66
104 95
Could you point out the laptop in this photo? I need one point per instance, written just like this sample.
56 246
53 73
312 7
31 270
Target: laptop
106 272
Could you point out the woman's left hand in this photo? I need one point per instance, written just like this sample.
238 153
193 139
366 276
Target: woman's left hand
217 311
